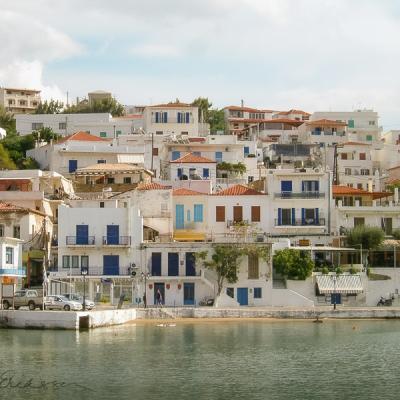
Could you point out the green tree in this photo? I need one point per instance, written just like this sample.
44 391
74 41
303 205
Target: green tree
101 106
51 107
16 147
369 237
7 120
45 134
5 161
293 264
212 116
204 105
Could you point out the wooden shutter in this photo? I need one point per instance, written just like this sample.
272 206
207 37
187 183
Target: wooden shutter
238 213
255 214
220 213
253 269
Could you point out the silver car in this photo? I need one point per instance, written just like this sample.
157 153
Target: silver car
89 304
58 302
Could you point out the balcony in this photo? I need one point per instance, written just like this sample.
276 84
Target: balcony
171 120
12 272
299 195
80 241
301 222
116 241
59 272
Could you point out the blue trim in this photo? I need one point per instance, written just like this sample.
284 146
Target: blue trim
293 216
303 216
279 216
198 213
13 271
206 172
317 216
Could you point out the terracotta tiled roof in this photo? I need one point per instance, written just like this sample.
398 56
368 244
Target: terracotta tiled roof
82 137
293 112
130 116
152 186
187 192
172 105
326 122
9 207
239 108
274 121
238 190
191 158
338 190
355 144
197 140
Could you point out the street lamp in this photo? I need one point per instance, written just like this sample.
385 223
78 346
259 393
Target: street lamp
144 277
84 272
334 291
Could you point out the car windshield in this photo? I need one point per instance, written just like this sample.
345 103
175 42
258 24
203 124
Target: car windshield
63 298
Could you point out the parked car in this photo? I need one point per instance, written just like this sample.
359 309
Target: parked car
24 298
89 304
58 302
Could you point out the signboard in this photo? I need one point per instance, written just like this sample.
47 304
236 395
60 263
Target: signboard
8 280
59 275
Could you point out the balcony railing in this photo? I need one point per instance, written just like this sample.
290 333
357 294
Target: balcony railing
301 222
94 271
299 195
12 272
80 240
172 120
116 241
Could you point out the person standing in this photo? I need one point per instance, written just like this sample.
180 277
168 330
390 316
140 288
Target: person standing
159 298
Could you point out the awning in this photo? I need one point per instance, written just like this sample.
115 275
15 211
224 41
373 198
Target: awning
189 236
130 158
344 284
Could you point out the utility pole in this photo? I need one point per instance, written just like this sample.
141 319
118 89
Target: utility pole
152 153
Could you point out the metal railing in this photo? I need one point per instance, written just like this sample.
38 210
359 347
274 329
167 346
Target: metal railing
80 240
116 241
172 120
95 271
301 222
299 195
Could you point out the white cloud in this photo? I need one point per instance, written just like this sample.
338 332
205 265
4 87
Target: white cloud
155 50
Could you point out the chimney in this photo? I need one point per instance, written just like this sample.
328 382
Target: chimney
242 103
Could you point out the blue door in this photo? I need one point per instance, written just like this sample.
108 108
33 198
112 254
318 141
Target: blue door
110 265
243 296
175 155
190 265
112 234
72 166
156 264
159 287
173 264
82 234
179 216
206 173
188 294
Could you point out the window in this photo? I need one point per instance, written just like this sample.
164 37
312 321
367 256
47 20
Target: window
347 171
17 231
237 213
364 171
309 216
250 179
220 214
286 187
309 186
161 117
343 156
253 268
110 181
2 231
75 261
350 123
102 204
359 186
369 138
255 214
246 151
230 291
119 133
197 153
175 155
84 261
65 261
159 132
198 213
183 117
9 255
101 161
359 221
22 103
218 156
206 173
127 179
387 225
37 125
257 293
103 134
179 172
371 123
286 216
62 125
155 151
184 133
362 156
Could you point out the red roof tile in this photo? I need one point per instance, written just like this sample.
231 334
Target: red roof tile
172 105
191 158
238 190
338 190
152 186
355 144
274 121
326 122
82 137
187 192
197 140
293 112
9 207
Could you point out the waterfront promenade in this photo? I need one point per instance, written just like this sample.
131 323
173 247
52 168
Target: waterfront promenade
108 317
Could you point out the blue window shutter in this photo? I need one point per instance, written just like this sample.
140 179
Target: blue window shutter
286 186
302 186
180 172
179 216
165 117
157 117
187 117
218 156
175 155
293 216
279 216
198 213
303 216
317 186
206 172
179 117
246 150
316 216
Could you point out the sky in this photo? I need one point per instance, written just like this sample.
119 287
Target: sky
315 55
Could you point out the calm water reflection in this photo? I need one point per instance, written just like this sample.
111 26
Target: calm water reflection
227 360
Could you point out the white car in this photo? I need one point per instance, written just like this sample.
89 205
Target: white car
89 304
58 302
